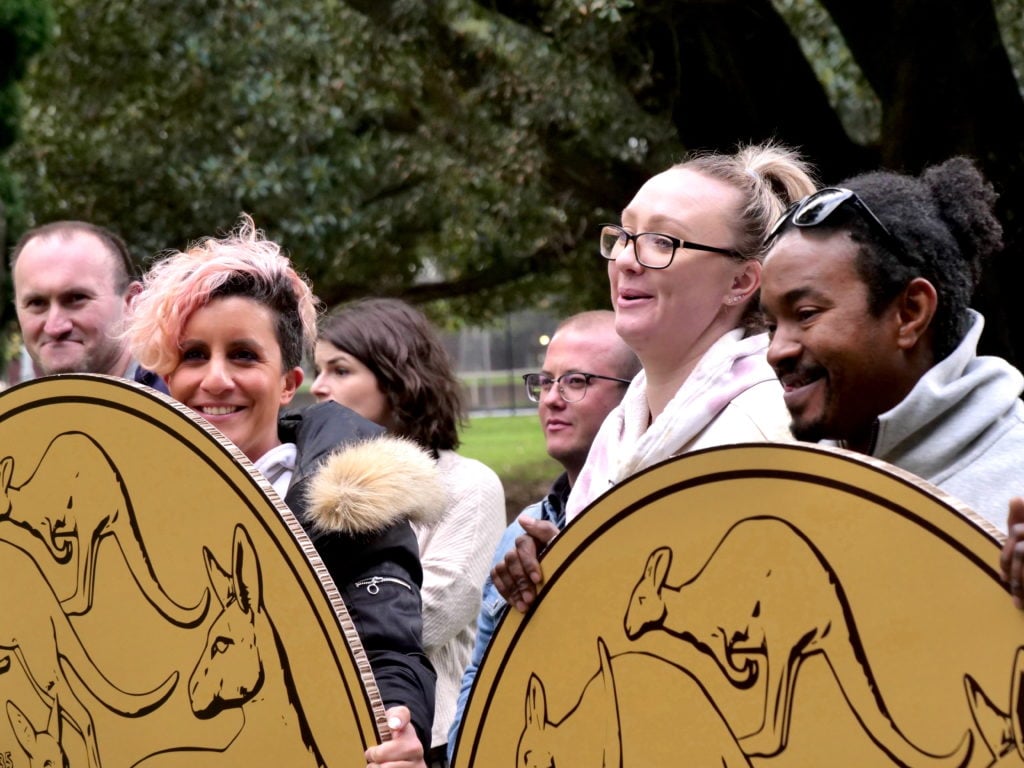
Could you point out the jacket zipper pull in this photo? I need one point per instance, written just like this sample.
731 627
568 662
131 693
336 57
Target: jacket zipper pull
373 583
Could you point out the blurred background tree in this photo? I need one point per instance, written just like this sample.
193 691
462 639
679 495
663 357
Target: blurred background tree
25 28
460 154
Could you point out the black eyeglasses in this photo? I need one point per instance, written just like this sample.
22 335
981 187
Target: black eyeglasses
651 249
571 386
815 209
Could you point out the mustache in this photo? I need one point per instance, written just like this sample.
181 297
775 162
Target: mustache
794 373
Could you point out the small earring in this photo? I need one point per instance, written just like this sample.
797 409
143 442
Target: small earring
735 299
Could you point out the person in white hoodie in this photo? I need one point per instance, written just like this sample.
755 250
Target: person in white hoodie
866 288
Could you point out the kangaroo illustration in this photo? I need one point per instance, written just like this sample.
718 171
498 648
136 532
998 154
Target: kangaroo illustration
43 748
767 595
1002 731
75 498
36 632
243 665
611 723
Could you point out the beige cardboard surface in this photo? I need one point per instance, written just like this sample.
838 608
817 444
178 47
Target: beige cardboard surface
157 607
759 605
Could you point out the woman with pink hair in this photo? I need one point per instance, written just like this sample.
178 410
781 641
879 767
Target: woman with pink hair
226 323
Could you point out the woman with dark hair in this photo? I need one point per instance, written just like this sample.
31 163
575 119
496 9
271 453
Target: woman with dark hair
226 323
383 359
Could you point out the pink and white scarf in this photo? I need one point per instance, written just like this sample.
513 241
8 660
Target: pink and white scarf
625 444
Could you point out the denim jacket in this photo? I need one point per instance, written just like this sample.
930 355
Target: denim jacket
550 508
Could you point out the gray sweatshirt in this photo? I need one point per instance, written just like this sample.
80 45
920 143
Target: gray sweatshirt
962 428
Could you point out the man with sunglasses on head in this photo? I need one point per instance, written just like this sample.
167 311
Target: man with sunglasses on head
866 289
585 373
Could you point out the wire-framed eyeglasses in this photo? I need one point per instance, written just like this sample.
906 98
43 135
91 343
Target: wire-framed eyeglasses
651 249
814 210
571 386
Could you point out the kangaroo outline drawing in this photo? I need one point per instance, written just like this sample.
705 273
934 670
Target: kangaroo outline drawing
243 666
853 605
75 498
95 638
767 595
41 746
38 634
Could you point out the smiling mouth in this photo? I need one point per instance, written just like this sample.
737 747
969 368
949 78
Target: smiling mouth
793 383
218 410
800 378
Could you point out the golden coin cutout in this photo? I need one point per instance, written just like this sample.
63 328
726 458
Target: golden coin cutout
158 608
761 605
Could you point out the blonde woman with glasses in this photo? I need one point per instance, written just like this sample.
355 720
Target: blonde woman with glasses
684 269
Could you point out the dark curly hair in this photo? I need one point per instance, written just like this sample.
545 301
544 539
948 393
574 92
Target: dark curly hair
413 369
944 226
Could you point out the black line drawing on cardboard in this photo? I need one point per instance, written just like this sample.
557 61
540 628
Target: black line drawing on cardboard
1002 731
74 498
764 600
243 666
38 634
629 691
42 747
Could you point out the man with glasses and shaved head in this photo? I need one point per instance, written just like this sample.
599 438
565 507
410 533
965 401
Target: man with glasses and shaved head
584 376
866 289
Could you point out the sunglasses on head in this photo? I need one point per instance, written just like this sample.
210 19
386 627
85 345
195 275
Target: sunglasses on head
815 209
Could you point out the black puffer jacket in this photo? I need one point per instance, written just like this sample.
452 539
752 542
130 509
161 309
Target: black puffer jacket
355 491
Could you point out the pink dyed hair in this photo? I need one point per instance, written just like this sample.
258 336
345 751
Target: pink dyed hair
244 263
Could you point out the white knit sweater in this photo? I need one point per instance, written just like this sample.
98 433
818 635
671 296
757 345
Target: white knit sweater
456 554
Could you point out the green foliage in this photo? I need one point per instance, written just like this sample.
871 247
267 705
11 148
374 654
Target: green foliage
848 91
610 10
426 144
10 112
11 211
1011 27
453 152
25 28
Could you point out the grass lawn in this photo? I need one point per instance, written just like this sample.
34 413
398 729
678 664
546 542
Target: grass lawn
513 446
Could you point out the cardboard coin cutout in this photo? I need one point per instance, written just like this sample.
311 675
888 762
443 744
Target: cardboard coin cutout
754 606
160 606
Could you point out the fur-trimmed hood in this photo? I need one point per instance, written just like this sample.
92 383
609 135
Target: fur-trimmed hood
367 486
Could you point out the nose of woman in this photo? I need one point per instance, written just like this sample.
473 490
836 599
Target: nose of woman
217 376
